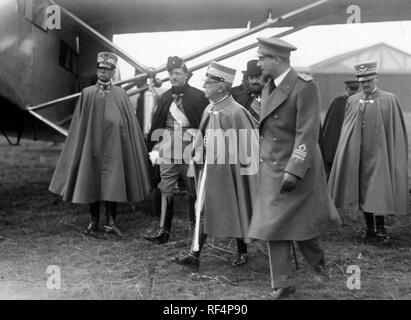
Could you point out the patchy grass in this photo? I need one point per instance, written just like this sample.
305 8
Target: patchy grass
38 230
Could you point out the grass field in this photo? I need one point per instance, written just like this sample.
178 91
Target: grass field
38 230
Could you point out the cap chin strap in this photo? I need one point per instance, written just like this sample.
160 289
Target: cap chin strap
106 82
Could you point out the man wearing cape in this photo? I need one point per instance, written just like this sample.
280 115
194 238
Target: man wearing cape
369 173
104 157
226 175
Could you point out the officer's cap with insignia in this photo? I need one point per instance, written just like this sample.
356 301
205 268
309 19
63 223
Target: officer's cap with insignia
219 72
176 63
366 70
274 47
106 60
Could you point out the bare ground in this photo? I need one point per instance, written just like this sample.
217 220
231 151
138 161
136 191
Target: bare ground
38 230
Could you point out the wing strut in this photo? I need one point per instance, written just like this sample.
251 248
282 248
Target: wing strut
103 40
151 72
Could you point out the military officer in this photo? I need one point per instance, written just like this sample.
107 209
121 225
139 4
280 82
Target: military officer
225 185
179 111
369 172
104 157
293 201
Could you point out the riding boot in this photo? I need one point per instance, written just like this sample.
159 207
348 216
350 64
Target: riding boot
192 259
93 227
241 253
381 232
163 233
156 202
369 221
111 212
191 213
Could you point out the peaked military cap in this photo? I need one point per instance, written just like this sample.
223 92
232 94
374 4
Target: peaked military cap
219 72
275 47
366 70
107 60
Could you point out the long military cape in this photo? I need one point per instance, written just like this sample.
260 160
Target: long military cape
229 195
79 172
370 166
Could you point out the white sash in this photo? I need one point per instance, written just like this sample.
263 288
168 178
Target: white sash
179 116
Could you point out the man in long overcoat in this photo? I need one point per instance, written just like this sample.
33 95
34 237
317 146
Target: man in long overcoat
369 173
293 201
104 157
227 174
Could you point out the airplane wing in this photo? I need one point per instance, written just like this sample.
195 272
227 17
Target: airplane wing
130 16
41 66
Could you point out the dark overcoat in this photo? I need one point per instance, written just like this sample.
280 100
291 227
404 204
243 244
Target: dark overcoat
194 103
331 130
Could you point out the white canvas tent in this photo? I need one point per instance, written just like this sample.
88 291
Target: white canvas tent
394 69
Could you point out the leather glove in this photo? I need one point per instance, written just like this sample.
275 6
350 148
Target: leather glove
288 183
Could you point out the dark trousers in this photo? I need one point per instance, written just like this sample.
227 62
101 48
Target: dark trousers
370 218
280 263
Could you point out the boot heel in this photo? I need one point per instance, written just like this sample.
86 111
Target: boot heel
188 260
161 236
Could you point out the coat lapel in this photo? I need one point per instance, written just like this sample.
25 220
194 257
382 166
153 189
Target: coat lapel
272 101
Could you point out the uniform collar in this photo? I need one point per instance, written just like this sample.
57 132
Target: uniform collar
220 104
280 78
371 96
104 85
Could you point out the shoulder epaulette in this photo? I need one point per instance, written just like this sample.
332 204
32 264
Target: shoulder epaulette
305 77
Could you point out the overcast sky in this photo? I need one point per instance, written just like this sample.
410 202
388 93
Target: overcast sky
314 44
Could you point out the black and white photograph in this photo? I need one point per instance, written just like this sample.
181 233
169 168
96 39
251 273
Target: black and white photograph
185 151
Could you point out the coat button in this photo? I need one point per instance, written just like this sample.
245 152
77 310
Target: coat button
275 116
275 139
261 137
275 163
261 160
